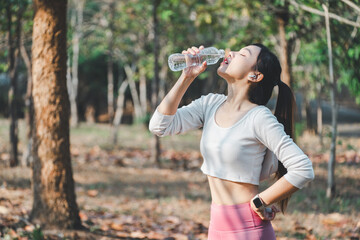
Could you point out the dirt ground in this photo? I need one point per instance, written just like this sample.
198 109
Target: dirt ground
123 195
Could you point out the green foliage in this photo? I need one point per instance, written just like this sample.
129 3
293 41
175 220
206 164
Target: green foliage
300 128
37 234
220 23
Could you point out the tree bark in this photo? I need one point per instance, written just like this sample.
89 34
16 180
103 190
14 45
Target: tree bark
110 63
13 59
142 90
130 72
29 105
330 191
319 121
309 122
54 203
119 109
75 61
282 19
155 153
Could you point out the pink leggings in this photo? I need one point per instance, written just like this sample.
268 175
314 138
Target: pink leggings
237 222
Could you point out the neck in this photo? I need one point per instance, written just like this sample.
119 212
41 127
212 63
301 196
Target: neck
237 97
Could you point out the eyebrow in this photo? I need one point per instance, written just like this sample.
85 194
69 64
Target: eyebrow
248 50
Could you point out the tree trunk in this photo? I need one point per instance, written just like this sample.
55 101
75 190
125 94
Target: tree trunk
309 122
134 94
110 63
54 203
75 61
29 107
162 81
330 191
119 109
142 90
282 17
319 121
13 59
155 153
162 74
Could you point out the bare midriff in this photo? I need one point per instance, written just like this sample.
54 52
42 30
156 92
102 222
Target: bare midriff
226 192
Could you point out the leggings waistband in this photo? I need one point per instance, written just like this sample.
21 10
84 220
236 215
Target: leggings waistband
233 217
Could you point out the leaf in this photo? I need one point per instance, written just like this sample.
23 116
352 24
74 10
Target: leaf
83 216
4 210
155 235
29 228
334 219
117 226
92 193
137 234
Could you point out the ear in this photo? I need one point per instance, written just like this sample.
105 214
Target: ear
255 77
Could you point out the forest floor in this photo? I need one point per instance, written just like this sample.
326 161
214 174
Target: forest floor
121 194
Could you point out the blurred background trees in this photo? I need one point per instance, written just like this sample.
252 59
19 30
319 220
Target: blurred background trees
110 42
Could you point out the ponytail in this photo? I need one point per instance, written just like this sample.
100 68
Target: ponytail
260 92
284 113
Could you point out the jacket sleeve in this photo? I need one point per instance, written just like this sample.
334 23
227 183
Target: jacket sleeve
272 135
186 118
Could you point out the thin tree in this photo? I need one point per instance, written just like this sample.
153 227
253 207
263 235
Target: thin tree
330 191
282 18
14 35
54 200
119 110
110 61
29 105
73 78
155 84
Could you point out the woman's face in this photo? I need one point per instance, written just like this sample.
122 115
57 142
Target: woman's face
238 65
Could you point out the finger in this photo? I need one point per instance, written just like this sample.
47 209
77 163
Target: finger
201 47
204 64
275 209
184 52
261 215
196 50
191 51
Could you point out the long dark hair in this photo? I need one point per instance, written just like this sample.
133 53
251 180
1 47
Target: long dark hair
260 92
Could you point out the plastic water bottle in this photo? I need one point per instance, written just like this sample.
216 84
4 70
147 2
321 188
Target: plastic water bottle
211 55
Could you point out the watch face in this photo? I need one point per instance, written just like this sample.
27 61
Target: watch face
257 202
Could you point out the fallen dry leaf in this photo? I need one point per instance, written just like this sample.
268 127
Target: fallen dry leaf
116 226
155 235
92 193
29 228
334 219
137 234
4 210
83 216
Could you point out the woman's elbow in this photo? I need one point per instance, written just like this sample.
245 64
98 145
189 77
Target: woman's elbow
156 130
311 175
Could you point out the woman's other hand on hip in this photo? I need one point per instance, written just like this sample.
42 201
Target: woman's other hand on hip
266 214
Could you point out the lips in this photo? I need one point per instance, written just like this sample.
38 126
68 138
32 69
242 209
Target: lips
227 60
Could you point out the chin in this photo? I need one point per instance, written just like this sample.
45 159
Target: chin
221 71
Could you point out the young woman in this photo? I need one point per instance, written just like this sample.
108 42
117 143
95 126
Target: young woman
242 141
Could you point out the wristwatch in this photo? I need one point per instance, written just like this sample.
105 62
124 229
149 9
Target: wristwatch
259 204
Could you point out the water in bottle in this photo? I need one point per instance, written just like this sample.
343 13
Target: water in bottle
211 55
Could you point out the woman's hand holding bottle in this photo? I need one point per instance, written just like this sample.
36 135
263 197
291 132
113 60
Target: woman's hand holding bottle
194 71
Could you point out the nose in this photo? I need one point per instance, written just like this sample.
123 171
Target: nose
231 54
